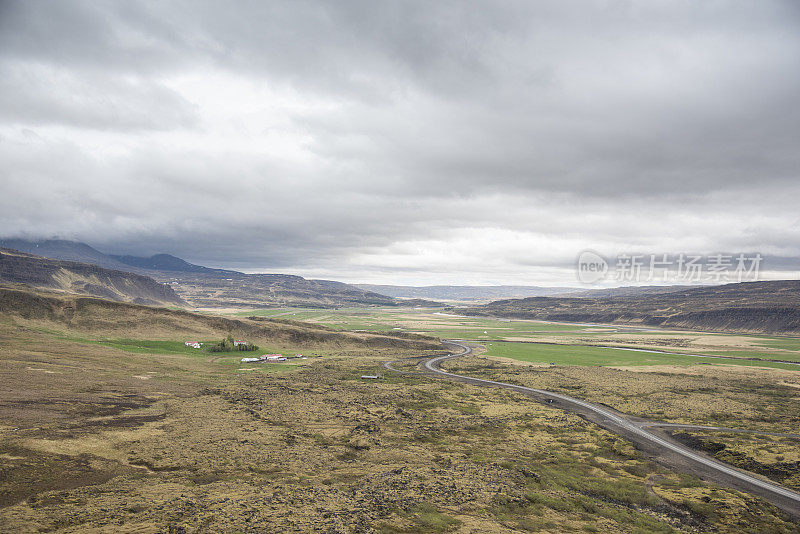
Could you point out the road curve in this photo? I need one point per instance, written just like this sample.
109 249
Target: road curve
637 432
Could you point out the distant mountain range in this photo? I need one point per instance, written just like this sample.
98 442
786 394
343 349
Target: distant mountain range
463 293
748 307
62 249
206 287
486 294
167 262
163 279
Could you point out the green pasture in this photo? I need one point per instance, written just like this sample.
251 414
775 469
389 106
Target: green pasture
424 321
488 329
545 353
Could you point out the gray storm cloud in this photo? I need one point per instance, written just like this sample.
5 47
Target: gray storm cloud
413 142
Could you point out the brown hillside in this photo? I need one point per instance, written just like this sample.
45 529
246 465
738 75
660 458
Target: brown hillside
83 278
749 307
93 315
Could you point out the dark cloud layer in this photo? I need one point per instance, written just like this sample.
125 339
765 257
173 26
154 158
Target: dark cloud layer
408 141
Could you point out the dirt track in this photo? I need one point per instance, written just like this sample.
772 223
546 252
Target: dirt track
656 444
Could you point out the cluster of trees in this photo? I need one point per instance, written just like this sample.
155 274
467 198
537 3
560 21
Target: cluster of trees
227 345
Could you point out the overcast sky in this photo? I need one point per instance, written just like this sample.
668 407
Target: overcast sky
408 142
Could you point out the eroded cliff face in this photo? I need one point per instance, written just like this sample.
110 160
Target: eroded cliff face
753 307
84 279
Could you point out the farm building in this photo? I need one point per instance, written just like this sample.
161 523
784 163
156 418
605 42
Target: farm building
265 358
193 344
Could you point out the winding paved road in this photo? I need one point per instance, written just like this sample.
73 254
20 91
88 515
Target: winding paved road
724 429
661 446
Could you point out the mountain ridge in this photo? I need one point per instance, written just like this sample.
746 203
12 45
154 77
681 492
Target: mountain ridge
489 293
168 262
745 307
201 286
63 249
84 279
461 293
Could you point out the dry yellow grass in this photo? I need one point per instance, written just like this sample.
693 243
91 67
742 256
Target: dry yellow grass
715 395
202 447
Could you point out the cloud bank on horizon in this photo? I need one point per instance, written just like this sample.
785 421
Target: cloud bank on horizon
403 142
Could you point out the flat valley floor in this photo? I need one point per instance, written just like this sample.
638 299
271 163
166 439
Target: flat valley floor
109 423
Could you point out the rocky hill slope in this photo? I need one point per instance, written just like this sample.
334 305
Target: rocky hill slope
751 307
93 315
85 279
267 290
202 286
